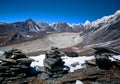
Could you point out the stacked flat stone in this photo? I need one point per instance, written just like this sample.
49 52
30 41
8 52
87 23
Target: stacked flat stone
53 63
14 64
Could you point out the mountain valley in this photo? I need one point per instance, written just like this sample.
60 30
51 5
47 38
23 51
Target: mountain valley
34 36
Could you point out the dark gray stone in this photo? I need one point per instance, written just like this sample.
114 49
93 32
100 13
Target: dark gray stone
74 64
26 61
41 69
56 75
22 75
1 79
8 53
72 54
43 76
8 60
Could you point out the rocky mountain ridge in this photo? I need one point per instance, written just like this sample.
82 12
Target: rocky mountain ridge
21 31
104 29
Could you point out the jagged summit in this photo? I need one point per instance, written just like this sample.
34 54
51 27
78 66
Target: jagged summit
87 22
61 27
30 20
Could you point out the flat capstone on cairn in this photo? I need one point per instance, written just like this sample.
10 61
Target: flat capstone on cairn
53 64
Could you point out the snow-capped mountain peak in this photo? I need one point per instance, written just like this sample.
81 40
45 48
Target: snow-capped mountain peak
106 19
29 21
87 22
117 12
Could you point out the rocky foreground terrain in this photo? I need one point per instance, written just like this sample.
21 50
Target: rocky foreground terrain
15 68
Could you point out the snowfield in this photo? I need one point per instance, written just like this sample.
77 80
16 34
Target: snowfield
69 61
73 62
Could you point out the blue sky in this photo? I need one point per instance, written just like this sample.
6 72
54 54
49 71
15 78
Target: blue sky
71 11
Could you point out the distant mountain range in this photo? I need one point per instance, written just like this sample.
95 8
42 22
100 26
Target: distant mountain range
101 30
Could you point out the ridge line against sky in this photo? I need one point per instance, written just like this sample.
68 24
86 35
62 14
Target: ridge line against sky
71 11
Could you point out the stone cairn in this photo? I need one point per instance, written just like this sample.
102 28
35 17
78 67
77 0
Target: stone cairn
14 64
53 64
102 55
